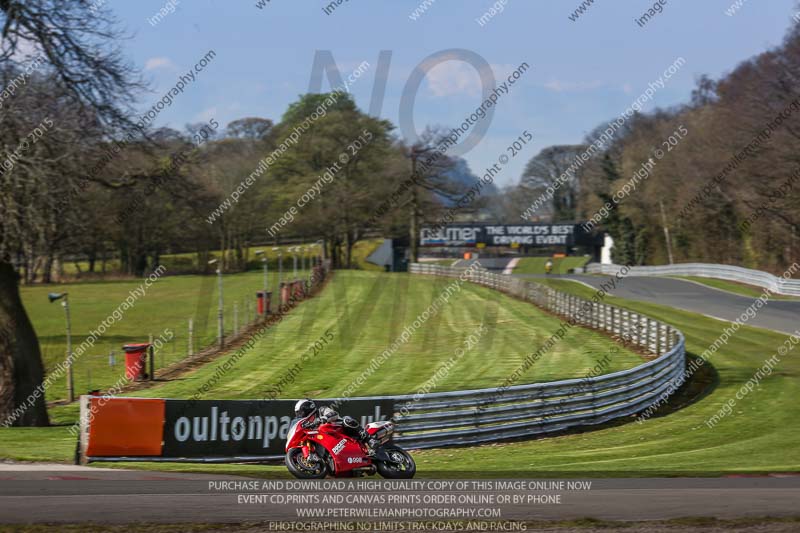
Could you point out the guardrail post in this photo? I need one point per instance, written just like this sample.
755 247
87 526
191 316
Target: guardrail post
642 322
645 323
642 325
656 331
614 317
626 317
598 316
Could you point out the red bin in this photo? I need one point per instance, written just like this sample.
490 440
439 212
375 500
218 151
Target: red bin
136 361
297 290
264 299
285 288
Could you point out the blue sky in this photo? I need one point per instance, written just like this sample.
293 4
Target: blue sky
582 72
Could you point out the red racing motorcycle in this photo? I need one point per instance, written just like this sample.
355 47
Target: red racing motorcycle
314 452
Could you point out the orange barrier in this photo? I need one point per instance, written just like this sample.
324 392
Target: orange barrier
124 426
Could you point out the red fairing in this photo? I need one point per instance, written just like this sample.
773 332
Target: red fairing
347 453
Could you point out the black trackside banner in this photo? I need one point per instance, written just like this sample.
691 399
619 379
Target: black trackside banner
530 235
217 428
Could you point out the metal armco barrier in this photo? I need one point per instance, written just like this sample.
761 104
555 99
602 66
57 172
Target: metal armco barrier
765 280
485 415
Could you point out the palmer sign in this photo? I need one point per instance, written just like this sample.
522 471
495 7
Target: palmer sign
503 235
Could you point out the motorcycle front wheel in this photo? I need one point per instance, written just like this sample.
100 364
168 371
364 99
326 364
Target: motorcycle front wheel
400 464
302 468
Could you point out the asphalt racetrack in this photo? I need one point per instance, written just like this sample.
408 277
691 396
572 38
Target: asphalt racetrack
777 315
68 494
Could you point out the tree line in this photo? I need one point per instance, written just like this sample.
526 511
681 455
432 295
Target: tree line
725 189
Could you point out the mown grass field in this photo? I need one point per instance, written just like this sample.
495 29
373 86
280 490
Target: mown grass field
366 313
168 303
562 265
761 434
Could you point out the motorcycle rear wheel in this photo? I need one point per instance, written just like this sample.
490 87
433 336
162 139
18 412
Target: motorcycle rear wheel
302 469
402 465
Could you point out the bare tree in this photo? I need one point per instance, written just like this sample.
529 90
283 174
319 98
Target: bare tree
89 85
430 166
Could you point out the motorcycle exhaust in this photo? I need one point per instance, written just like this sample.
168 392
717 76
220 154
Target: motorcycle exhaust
384 433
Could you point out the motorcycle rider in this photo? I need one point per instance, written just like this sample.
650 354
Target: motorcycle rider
325 414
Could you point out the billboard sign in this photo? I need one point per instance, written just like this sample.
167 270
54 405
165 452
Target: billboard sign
513 235
244 427
158 428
